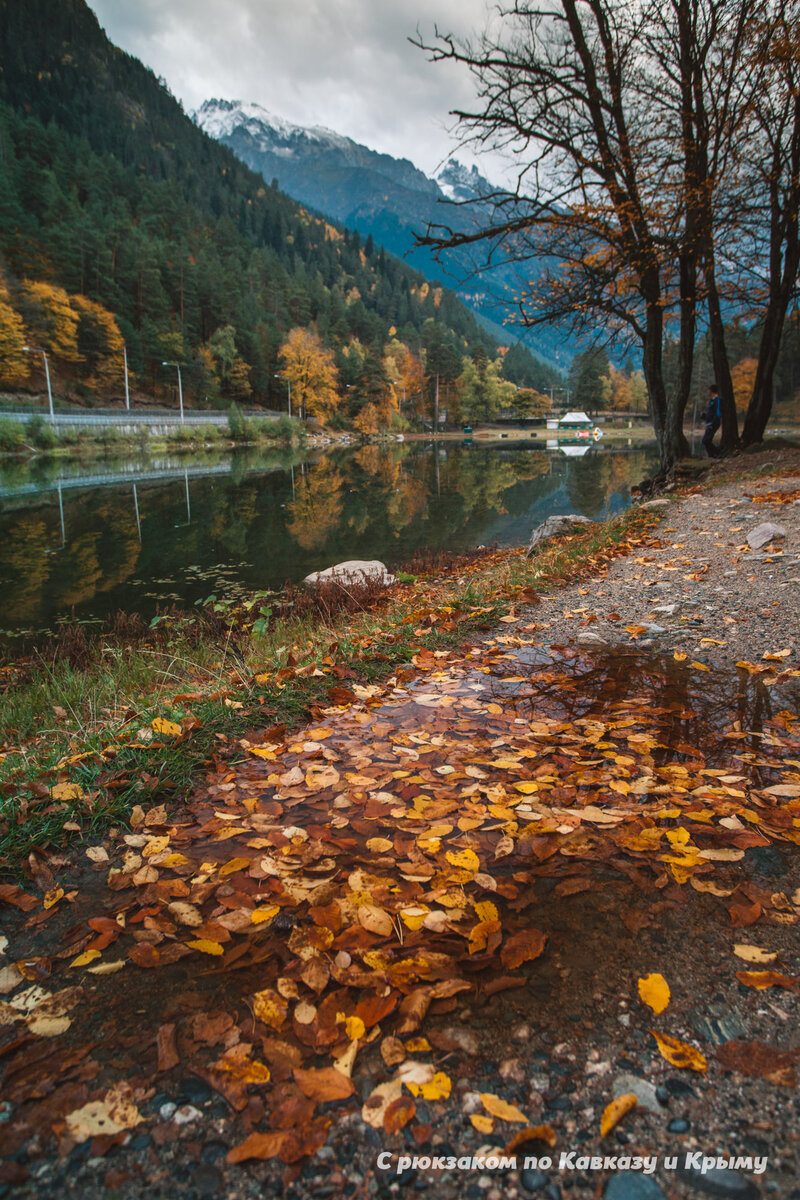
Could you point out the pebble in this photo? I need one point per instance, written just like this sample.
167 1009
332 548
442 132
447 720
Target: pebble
167 1110
644 1091
521 1033
629 1185
717 1023
532 1181
539 1082
764 533
463 1037
185 1114
678 1125
512 1069
726 1185
472 1103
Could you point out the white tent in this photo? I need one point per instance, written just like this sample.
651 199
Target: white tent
575 418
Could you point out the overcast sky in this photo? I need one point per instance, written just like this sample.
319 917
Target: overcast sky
346 64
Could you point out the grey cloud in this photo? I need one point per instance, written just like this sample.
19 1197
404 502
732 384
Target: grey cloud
342 63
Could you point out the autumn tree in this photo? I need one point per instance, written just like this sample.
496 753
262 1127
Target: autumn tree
99 342
52 319
14 362
635 127
311 371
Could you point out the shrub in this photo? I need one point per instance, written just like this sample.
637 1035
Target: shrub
12 436
238 424
40 433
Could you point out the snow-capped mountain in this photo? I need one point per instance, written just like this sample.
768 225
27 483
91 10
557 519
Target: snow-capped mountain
376 194
460 183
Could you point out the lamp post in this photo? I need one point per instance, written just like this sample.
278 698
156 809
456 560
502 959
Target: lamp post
38 350
177 367
127 388
289 387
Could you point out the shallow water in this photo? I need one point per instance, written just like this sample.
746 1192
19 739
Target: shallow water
134 534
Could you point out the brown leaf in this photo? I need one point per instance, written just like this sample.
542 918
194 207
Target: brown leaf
259 1145
766 979
755 1058
324 1084
399 1113
523 947
167 1050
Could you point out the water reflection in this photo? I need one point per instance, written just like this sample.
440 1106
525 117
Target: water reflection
136 533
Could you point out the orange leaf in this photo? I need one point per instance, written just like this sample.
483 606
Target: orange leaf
766 979
615 1111
259 1145
324 1084
679 1053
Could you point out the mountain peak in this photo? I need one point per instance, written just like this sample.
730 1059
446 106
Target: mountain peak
222 118
460 182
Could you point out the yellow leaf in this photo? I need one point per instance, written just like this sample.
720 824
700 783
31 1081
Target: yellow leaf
502 1109
161 725
438 1089
527 788
698 666
486 911
654 991
270 1008
754 954
53 896
259 915
235 864
378 845
679 656
355 1028
615 1111
481 1123
679 836
261 751
84 959
67 791
417 1045
679 1053
206 946
467 860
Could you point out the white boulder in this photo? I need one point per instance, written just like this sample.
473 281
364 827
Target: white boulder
353 571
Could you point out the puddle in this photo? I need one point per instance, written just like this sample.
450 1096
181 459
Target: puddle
480 839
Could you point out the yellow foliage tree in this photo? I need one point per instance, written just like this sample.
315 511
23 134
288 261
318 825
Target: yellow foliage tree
743 377
14 362
52 319
311 372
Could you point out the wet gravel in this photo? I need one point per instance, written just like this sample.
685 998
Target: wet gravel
703 581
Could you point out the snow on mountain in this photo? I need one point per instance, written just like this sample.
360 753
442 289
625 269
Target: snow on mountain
222 118
459 182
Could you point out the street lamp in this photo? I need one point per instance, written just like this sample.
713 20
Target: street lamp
127 388
38 350
177 367
289 386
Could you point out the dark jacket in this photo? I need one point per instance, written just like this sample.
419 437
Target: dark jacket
713 412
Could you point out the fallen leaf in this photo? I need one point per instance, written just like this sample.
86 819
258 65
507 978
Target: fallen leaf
497 1107
616 1110
654 991
679 1053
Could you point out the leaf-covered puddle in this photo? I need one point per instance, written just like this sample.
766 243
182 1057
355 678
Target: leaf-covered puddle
299 936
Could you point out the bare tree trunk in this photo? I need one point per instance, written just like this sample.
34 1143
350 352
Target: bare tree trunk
719 354
436 407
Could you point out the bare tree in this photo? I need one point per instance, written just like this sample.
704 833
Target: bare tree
775 171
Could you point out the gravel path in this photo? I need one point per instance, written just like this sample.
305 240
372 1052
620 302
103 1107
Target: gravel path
700 588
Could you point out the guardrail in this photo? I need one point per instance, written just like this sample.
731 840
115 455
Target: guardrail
129 418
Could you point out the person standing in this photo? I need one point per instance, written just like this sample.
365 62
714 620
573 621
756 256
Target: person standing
713 418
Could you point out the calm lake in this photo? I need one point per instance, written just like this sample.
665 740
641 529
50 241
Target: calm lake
138 533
